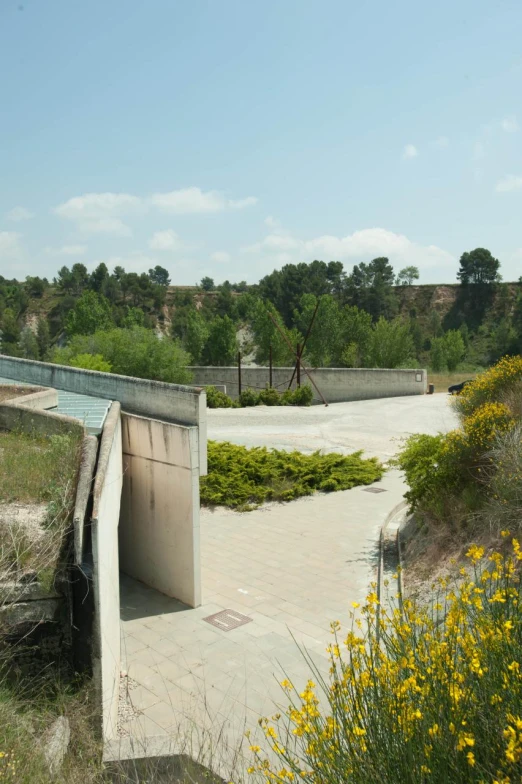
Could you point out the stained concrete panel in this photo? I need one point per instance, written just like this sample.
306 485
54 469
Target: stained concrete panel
106 576
159 525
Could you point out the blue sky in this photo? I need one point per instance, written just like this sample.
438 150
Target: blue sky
229 137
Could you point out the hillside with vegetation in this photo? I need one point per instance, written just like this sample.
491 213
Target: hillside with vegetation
140 324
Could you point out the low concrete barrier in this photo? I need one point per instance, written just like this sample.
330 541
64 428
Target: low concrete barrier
337 384
185 405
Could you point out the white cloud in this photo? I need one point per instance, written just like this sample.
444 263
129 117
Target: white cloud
10 248
362 245
409 151
194 200
220 257
509 125
165 240
511 182
479 151
272 223
67 250
18 214
442 142
100 213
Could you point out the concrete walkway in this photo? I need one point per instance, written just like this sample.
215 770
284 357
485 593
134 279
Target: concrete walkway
375 426
291 569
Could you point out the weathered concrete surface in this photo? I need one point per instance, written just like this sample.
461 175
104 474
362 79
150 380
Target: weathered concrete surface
159 525
375 426
171 402
83 493
17 417
40 399
104 524
336 384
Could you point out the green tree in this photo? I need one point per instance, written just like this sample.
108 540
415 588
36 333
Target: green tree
98 278
221 345
43 337
266 334
390 345
135 352
90 362
35 287
438 355
91 312
207 284
454 348
325 342
407 275
370 288
159 276
356 332
28 344
10 332
196 335
134 317
478 266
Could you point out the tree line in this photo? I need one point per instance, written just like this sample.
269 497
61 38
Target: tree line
131 323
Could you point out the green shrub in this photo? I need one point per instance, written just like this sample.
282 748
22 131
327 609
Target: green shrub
218 399
301 396
495 384
244 478
270 397
247 398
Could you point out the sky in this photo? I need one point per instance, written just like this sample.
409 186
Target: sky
230 137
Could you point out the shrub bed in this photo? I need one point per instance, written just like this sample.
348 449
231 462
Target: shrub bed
302 396
243 478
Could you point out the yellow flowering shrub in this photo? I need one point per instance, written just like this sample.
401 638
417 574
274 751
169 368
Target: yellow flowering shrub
485 423
490 386
414 695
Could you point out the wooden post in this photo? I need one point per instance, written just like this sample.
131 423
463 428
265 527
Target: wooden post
239 372
298 365
270 368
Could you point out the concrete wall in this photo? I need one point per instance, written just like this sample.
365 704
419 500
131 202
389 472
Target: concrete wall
159 525
106 577
170 402
336 384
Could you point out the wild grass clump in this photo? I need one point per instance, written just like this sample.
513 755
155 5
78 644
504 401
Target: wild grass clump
301 396
243 478
414 695
36 471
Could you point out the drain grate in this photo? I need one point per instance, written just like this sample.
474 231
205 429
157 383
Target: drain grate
226 620
374 490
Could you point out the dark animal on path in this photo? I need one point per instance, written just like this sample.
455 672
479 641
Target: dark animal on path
456 389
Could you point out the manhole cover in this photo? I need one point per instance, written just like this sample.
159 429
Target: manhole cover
226 620
374 490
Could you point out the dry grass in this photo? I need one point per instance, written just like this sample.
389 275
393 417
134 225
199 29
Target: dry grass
444 380
11 391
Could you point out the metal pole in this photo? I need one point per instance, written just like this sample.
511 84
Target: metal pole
298 366
270 368
302 365
239 371
305 340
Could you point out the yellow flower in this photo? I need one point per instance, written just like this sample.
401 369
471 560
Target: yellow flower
471 758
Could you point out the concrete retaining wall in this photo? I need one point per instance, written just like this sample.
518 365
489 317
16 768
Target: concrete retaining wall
159 525
170 402
106 577
336 384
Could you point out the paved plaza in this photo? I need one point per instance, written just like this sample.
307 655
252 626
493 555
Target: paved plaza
291 569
